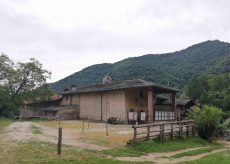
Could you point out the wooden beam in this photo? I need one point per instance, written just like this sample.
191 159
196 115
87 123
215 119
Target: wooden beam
173 107
71 99
101 106
150 106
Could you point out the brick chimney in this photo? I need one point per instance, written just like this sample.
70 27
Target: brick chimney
73 87
107 79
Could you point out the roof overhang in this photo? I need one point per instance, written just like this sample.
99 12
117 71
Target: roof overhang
128 84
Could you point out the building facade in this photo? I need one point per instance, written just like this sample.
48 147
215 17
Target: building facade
126 100
129 101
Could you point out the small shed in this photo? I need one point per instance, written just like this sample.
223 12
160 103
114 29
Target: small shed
184 106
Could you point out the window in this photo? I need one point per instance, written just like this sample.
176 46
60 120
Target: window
67 98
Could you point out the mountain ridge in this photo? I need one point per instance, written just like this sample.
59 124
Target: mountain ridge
174 68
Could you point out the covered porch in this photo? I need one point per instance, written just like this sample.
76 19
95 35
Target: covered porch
143 105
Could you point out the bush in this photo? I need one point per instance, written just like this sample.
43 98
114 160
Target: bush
226 115
114 120
221 130
8 110
207 121
227 123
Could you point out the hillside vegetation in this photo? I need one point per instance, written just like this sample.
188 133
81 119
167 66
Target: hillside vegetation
173 69
211 89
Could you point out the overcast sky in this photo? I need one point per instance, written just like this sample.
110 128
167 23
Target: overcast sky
68 35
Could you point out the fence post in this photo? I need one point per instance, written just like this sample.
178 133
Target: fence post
59 140
193 129
171 136
180 130
187 130
134 133
83 125
88 121
148 132
163 131
107 129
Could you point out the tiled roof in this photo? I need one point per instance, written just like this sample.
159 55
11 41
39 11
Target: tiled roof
121 85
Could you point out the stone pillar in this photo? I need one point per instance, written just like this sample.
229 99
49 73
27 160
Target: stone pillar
173 107
150 106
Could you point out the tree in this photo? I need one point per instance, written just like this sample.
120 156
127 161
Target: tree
207 121
211 89
20 82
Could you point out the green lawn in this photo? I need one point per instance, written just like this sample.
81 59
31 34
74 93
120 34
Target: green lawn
196 152
217 158
40 152
157 146
4 122
37 152
35 129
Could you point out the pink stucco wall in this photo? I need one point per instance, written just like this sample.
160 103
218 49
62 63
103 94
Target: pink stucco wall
90 106
101 106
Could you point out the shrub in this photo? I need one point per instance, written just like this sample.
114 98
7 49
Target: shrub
207 121
226 114
8 110
221 130
227 123
114 120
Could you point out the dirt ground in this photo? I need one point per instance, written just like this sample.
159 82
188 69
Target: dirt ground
92 137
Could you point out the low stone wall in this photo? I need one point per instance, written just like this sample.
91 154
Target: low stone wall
68 114
28 113
58 112
62 113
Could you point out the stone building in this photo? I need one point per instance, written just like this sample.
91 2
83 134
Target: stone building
129 100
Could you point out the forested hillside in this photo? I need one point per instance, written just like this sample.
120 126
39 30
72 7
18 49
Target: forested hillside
173 69
211 89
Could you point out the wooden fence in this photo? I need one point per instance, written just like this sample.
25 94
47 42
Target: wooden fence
167 130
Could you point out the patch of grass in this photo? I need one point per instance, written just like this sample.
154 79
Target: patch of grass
99 138
151 146
196 152
4 122
220 158
102 143
37 152
35 129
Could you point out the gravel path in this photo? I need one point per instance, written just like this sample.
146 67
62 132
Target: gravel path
17 132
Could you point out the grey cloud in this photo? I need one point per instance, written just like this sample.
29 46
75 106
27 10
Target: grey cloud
152 27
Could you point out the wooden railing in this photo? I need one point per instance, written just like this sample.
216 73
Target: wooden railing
167 130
